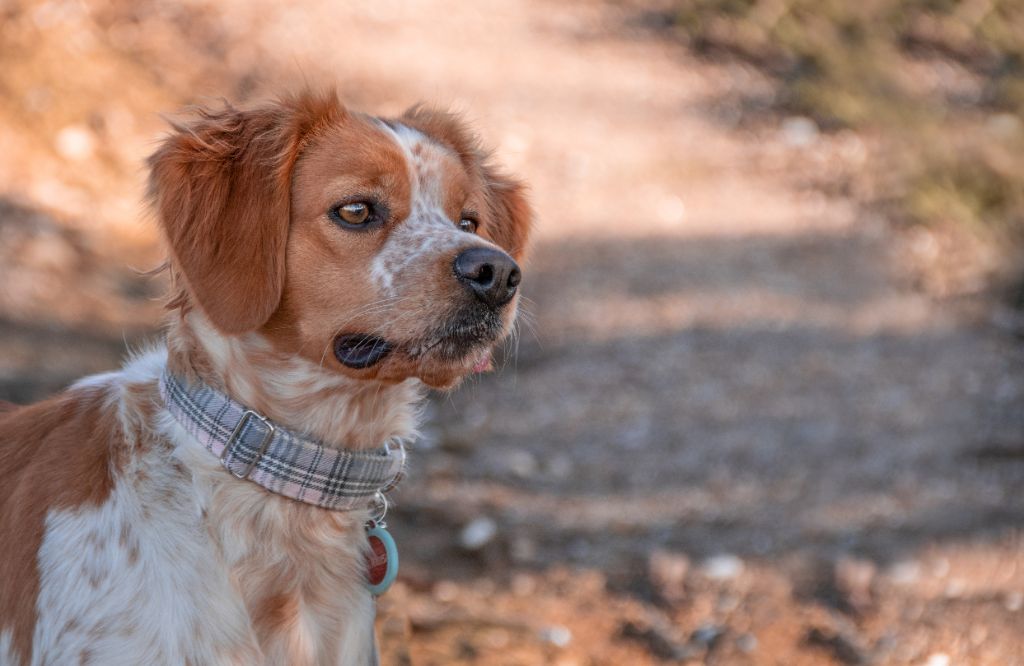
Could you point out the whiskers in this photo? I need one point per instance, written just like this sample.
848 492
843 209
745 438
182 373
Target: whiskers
368 309
510 345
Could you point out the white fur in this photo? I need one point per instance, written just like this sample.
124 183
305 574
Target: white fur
428 231
170 567
163 570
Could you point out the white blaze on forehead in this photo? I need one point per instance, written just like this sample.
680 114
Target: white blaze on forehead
427 231
425 160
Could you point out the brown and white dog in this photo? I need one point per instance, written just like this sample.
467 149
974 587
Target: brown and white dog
325 266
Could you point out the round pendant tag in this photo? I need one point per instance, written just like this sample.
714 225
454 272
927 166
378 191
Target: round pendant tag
382 560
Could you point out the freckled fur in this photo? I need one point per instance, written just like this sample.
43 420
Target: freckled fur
123 540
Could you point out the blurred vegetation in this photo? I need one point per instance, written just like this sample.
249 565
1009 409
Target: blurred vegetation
940 82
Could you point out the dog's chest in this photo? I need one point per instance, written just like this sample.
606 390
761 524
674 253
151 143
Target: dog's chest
183 565
301 573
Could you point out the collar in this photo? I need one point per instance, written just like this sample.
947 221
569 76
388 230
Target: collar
251 446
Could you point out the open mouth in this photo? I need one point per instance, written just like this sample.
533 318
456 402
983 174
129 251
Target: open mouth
360 351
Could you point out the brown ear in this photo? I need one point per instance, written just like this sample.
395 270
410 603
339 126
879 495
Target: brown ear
221 186
510 217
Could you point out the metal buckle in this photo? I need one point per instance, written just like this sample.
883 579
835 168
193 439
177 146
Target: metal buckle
229 445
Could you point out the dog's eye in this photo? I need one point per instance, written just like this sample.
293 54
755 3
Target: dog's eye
354 213
468 225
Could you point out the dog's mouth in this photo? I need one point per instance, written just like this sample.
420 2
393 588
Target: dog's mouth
359 350
460 342
460 339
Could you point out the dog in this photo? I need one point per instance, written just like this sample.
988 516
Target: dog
208 503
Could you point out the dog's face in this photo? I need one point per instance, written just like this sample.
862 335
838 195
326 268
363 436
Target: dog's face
383 249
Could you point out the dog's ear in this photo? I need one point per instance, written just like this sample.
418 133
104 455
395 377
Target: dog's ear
221 188
509 216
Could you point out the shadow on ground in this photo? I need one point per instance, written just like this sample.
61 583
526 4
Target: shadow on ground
777 397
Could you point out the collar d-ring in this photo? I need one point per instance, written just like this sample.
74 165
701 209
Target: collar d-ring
379 505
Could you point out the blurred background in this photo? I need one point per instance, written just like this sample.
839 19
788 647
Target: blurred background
768 404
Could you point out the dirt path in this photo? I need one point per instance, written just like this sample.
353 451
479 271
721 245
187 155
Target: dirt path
734 432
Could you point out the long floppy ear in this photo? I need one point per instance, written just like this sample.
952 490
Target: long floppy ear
221 187
510 217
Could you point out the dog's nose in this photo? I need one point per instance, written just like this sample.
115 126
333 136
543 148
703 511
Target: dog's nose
491 274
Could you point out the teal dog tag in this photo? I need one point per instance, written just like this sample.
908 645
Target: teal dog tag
382 560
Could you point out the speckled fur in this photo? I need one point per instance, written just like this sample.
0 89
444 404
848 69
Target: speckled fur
127 540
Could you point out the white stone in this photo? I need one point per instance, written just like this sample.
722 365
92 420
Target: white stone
723 567
557 635
799 131
76 143
478 533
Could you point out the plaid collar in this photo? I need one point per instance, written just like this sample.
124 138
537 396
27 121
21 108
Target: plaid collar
252 447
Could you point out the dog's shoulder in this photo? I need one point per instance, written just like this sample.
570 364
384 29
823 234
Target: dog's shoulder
68 434
55 454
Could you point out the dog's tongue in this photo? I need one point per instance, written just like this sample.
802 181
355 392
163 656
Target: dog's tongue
484 364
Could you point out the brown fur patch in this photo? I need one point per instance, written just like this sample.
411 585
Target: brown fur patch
275 614
328 277
220 185
57 454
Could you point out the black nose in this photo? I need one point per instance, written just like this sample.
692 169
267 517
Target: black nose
491 274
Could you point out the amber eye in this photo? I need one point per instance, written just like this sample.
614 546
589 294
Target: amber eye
468 225
354 213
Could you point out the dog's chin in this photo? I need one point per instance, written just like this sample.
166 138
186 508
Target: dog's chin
445 358
447 373
440 359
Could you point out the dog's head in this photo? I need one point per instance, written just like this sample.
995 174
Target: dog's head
384 249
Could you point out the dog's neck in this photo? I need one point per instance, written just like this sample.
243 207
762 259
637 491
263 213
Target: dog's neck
292 391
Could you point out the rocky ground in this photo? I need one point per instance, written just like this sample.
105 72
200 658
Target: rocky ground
736 426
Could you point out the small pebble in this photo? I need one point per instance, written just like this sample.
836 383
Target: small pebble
557 635
706 634
905 572
937 659
478 533
799 131
76 143
723 567
746 643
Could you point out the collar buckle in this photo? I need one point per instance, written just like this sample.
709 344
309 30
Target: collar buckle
234 439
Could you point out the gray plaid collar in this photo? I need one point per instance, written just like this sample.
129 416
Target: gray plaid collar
252 447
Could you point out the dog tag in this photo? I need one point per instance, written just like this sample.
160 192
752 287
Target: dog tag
382 560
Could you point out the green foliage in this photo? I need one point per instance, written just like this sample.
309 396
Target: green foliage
838 59
850 63
980 185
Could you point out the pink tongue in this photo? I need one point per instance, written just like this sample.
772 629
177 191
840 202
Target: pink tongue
484 364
